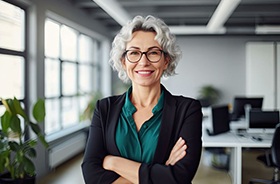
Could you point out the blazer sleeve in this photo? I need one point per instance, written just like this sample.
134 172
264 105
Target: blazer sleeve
92 169
188 125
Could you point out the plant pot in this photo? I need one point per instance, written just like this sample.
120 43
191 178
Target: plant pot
6 179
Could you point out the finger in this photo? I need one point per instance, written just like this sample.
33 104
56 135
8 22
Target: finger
178 145
180 142
178 155
175 150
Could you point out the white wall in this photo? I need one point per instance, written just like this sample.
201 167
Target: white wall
261 72
217 60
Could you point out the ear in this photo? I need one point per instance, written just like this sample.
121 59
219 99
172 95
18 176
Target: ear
166 62
123 63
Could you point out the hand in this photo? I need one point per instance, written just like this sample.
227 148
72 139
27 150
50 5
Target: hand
127 169
177 153
108 165
108 162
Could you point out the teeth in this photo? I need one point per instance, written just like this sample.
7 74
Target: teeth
144 72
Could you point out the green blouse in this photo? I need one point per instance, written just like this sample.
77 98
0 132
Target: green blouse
138 146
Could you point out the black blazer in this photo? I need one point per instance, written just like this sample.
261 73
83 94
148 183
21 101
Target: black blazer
181 117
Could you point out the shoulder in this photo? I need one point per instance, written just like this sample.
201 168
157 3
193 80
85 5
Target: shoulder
111 101
180 100
187 104
186 100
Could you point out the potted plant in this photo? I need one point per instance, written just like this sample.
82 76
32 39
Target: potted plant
88 112
208 95
16 153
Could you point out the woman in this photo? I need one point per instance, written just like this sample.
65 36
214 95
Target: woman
147 135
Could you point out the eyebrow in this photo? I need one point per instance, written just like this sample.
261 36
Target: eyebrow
150 48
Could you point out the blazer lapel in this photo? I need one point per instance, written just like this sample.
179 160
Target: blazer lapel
114 110
168 116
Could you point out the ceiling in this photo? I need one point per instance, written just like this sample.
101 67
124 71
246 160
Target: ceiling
187 17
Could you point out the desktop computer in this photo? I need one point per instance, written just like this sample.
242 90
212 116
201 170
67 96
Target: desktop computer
262 121
219 120
240 103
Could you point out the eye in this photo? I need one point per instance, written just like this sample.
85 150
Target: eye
154 52
134 53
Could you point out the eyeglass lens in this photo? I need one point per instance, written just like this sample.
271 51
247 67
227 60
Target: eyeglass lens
152 55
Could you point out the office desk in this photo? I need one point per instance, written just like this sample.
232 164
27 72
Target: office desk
235 143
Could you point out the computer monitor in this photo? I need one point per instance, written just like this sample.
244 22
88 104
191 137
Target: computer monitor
260 120
220 120
240 103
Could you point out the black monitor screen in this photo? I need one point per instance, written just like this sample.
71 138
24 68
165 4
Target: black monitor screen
263 119
220 119
239 104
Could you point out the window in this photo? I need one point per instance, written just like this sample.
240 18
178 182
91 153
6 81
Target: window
12 52
70 68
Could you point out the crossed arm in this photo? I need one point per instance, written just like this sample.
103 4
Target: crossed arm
129 170
99 167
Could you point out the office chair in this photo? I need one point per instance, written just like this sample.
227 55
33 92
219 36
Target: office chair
271 159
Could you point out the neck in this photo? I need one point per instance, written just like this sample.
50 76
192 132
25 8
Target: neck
145 96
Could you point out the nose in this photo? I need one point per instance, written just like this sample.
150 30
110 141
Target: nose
144 60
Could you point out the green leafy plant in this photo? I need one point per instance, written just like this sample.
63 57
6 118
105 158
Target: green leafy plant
16 153
209 93
88 112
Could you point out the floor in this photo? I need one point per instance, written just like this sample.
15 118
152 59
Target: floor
70 172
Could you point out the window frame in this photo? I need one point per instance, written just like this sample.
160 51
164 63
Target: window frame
23 54
25 101
95 65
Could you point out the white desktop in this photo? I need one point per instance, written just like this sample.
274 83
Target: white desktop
246 123
238 137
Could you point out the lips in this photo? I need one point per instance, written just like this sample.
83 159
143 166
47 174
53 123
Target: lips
144 72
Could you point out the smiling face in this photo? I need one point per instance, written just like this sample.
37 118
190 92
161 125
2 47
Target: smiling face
144 73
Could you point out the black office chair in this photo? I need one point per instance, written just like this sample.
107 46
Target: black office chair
271 159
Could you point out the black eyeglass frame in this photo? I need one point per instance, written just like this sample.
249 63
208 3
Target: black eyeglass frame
145 53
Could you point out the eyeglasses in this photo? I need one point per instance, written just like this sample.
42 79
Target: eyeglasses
134 56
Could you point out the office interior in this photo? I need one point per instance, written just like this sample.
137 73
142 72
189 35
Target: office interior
225 61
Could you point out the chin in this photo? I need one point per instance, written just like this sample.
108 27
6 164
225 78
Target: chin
147 83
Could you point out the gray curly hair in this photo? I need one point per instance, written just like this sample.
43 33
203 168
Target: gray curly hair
163 37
